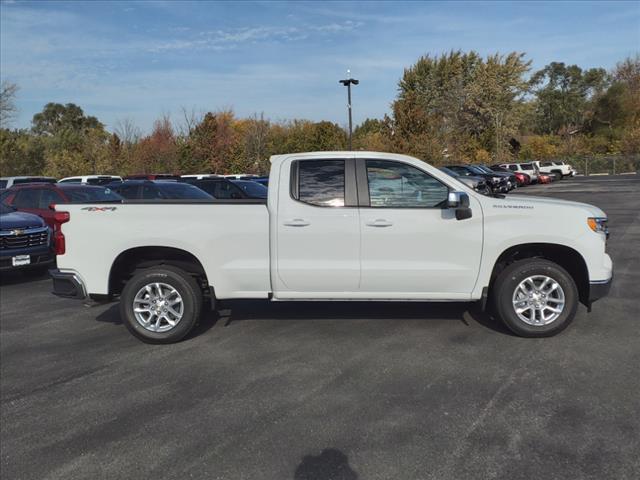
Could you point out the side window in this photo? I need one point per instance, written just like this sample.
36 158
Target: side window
27 198
398 185
226 190
321 182
48 197
129 191
3 183
513 167
151 192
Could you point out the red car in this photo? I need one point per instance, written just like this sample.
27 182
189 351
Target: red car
522 178
545 178
38 197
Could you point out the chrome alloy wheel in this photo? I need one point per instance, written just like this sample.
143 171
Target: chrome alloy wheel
538 300
158 307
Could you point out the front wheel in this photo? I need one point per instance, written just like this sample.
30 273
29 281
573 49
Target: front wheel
161 304
535 298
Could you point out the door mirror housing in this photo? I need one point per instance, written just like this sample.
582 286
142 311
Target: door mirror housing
459 201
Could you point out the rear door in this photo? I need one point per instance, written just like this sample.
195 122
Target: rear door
412 245
318 230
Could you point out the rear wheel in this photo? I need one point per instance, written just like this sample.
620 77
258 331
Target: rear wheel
535 298
161 304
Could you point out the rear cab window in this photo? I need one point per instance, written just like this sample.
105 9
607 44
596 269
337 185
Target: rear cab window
319 182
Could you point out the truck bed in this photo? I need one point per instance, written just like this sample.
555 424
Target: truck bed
230 238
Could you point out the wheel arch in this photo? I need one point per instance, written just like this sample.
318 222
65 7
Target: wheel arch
129 261
568 258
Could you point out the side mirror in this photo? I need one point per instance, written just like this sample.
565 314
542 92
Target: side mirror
459 201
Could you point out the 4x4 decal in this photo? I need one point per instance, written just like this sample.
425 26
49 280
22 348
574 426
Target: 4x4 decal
99 209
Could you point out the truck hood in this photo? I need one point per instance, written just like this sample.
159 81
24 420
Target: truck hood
592 210
9 221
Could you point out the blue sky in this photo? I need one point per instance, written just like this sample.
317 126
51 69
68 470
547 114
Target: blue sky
139 60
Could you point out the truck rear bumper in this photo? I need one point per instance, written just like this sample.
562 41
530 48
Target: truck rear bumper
67 285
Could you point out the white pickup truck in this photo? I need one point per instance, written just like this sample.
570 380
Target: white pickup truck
338 226
557 166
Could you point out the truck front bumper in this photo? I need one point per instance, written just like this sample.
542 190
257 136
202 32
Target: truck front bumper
68 285
597 290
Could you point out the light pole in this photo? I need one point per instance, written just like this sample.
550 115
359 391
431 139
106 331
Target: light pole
347 83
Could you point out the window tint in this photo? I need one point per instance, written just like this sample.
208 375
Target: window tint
179 191
513 167
3 183
321 182
128 191
394 184
459 170
252 189
547 164
526 166
150 192
100 180
475 170
226 190
48 197
92 194
27 198
34 180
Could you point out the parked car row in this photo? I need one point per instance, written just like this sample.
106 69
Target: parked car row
504 177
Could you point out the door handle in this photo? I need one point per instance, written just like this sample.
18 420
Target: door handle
297 222
379 222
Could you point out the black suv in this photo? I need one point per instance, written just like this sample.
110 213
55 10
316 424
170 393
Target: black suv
496 182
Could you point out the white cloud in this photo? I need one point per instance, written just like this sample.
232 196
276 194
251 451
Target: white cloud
232 38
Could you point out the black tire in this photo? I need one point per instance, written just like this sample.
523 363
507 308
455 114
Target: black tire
186 286
508 280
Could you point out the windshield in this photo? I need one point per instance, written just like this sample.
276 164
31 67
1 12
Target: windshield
6 209
92 194
448 171
182 191
101 180
475 169
484 169
252 189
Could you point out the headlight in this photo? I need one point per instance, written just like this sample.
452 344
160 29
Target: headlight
598 225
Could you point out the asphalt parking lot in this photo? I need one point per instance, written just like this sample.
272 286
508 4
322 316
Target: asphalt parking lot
339 391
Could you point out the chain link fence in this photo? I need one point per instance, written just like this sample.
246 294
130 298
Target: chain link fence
606 164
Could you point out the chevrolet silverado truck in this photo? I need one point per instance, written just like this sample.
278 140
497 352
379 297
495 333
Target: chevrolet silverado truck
338 226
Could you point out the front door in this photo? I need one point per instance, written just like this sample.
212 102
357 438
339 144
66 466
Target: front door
318 230
412 245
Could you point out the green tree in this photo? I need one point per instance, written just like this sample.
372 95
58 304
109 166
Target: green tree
21 153
563 94
459 103
56 118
